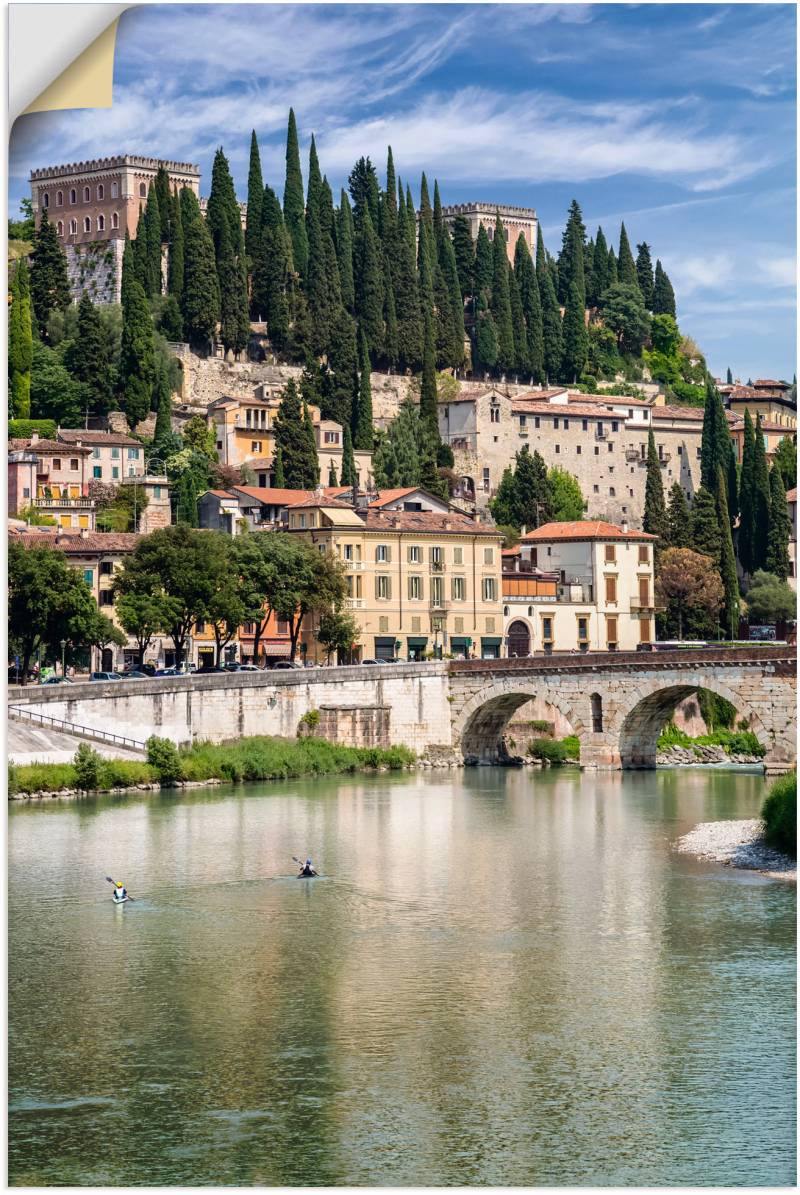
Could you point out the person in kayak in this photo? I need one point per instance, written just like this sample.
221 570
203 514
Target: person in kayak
307 869
120 892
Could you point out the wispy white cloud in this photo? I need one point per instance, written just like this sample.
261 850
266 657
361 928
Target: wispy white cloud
778 271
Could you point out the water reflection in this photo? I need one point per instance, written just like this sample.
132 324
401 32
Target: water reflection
500 979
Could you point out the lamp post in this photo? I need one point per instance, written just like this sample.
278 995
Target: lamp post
63 656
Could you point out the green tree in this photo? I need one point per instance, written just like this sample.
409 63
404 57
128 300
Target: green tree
531 307
464 251
533 499
777 561
255 202
163 191
688 583
397 458
186 495
727 564
362 413
303 580
551 313
348 476
344 251
201 297
575 340
624 313
368 280
300 464
149 231
234 329
338 632
571 260
278 474
87 357
665 334
679 533
137 358
365 190
176 251
663 294
337 402
410 327
293 201
568 502
500 304
521 361
626 266
705 531
485 338
644 274
55 394
163 396
49 283
20 345
503 507
655 515
761 500
785 460
729 377
600 271
170 324
484 264
271 270
770 600
142 616
747 500
429 401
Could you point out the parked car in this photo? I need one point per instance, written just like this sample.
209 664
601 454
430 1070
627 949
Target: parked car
57 680
371 661
282 665
134 674
235 666
170 672
105 676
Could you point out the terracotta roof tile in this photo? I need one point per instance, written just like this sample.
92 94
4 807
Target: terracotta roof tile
427 521
75 543
50 447
581 530
274 496
69 435
791 495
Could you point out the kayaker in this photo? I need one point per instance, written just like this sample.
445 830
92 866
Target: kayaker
120 892
307 869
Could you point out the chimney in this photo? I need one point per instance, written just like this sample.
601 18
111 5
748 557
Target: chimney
624 526
34 438
84 533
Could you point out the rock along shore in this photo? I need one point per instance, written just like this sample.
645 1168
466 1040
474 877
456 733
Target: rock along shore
683 756
738 844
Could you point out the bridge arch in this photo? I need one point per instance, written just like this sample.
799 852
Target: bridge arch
478 730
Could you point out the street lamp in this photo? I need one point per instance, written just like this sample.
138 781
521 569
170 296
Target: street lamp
63 656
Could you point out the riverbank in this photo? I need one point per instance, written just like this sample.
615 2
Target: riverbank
679 757
738 844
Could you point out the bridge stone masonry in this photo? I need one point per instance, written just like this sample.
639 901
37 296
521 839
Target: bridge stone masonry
616 703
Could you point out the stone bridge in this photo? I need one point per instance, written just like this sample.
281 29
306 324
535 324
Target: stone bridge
616 703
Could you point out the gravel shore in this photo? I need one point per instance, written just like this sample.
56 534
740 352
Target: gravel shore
738 844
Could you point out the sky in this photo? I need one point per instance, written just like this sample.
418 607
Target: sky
677 119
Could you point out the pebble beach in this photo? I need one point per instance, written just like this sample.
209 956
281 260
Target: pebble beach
738 844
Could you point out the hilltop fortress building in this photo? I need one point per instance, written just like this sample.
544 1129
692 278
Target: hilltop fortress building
516 220
92 205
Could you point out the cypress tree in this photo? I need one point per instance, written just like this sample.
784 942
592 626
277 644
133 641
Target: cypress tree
391 342
344 251
533 503
551 313
298 453
337 404
451 290
49 283
271 272
704 527
531 307
588 272
613 273
385 471
88 359
308 427
777 561
485 337
655 515
317 289
234 317
761 499
389 203
644 272
663 294
716 448
729 377
369 281
411 221
255 202
575 338
278 474
190 207
626 266
163 427
348 476
362 410
484 264
426 267
314 192
747 504
364 191
500 304
141 258
175 261
429 476
727 565
201 297
679 533
186 493
129 272
428 400
464 249
137 359
149 230
293 202
20 345
521 358
571 258
170 323
600 268
410 329
332 475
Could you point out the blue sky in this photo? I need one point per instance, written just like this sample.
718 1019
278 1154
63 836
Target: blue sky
679 119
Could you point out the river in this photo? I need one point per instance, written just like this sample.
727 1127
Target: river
502 978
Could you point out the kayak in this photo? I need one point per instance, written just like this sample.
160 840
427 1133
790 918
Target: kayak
120 901
302 876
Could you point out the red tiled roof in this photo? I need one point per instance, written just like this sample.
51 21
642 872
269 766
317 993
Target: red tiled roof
49 447
515 551
324 503
273 496
772 384
76 543
791 495
571 411
583 529
617 400
427 521
673 412
70 435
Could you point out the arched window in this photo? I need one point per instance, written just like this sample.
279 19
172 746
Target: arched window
87 195
101 223
60 228
143 190
114 191
45 200
73 227
59 199
73 196
87 224
597 713
100 191
115 220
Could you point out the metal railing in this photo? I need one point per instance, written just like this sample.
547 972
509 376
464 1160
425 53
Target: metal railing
85 732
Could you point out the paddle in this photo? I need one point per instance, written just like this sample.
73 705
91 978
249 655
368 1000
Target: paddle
302 864
114 882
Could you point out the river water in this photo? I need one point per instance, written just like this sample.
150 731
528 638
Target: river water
501 978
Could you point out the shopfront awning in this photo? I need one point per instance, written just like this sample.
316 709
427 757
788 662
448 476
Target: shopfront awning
491 640
280 648
417 640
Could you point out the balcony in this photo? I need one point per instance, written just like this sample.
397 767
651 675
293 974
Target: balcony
437 566
665 458
601 433
436 605
354 566
651 607
60 503
354 603
633 454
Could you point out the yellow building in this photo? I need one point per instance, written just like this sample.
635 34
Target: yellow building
768 398
421 582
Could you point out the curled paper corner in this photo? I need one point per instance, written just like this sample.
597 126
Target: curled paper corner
87 82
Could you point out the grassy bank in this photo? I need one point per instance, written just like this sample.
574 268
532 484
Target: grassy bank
257 758
555 751
779 812
732 742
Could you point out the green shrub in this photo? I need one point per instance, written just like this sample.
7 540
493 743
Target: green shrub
548 750
572 746
540 726
716 712
779 812
23 429
262 758
13 780
46 777
87 767
125 773
162 755
733 742
672 737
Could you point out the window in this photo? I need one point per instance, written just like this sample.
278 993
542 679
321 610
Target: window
100 191
156 491
698 452
347 552
414 555
331 437
45 200
488 555
458 555
536 421
255 446
415 624
486 481
597 712
459 624
74 464
115 454
630 413
26 493
436 555
87 223
88 576
612 492
611 590
595 489
199 626
566 425
555 425
383 623
60 228
680 450
522 422
142 190
283 626
106 568
644 591
56 462
114 190
73 227
578 449
115 219
611 554
583 630
614 425
610 446
644 630
383 587
489 589
133 454
495 414
644 554
459 589
101 223
584 425
87 195
383 553
115 472
596 450
73 196
547 628
106 597
97 471
558 449
415 588
611 633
